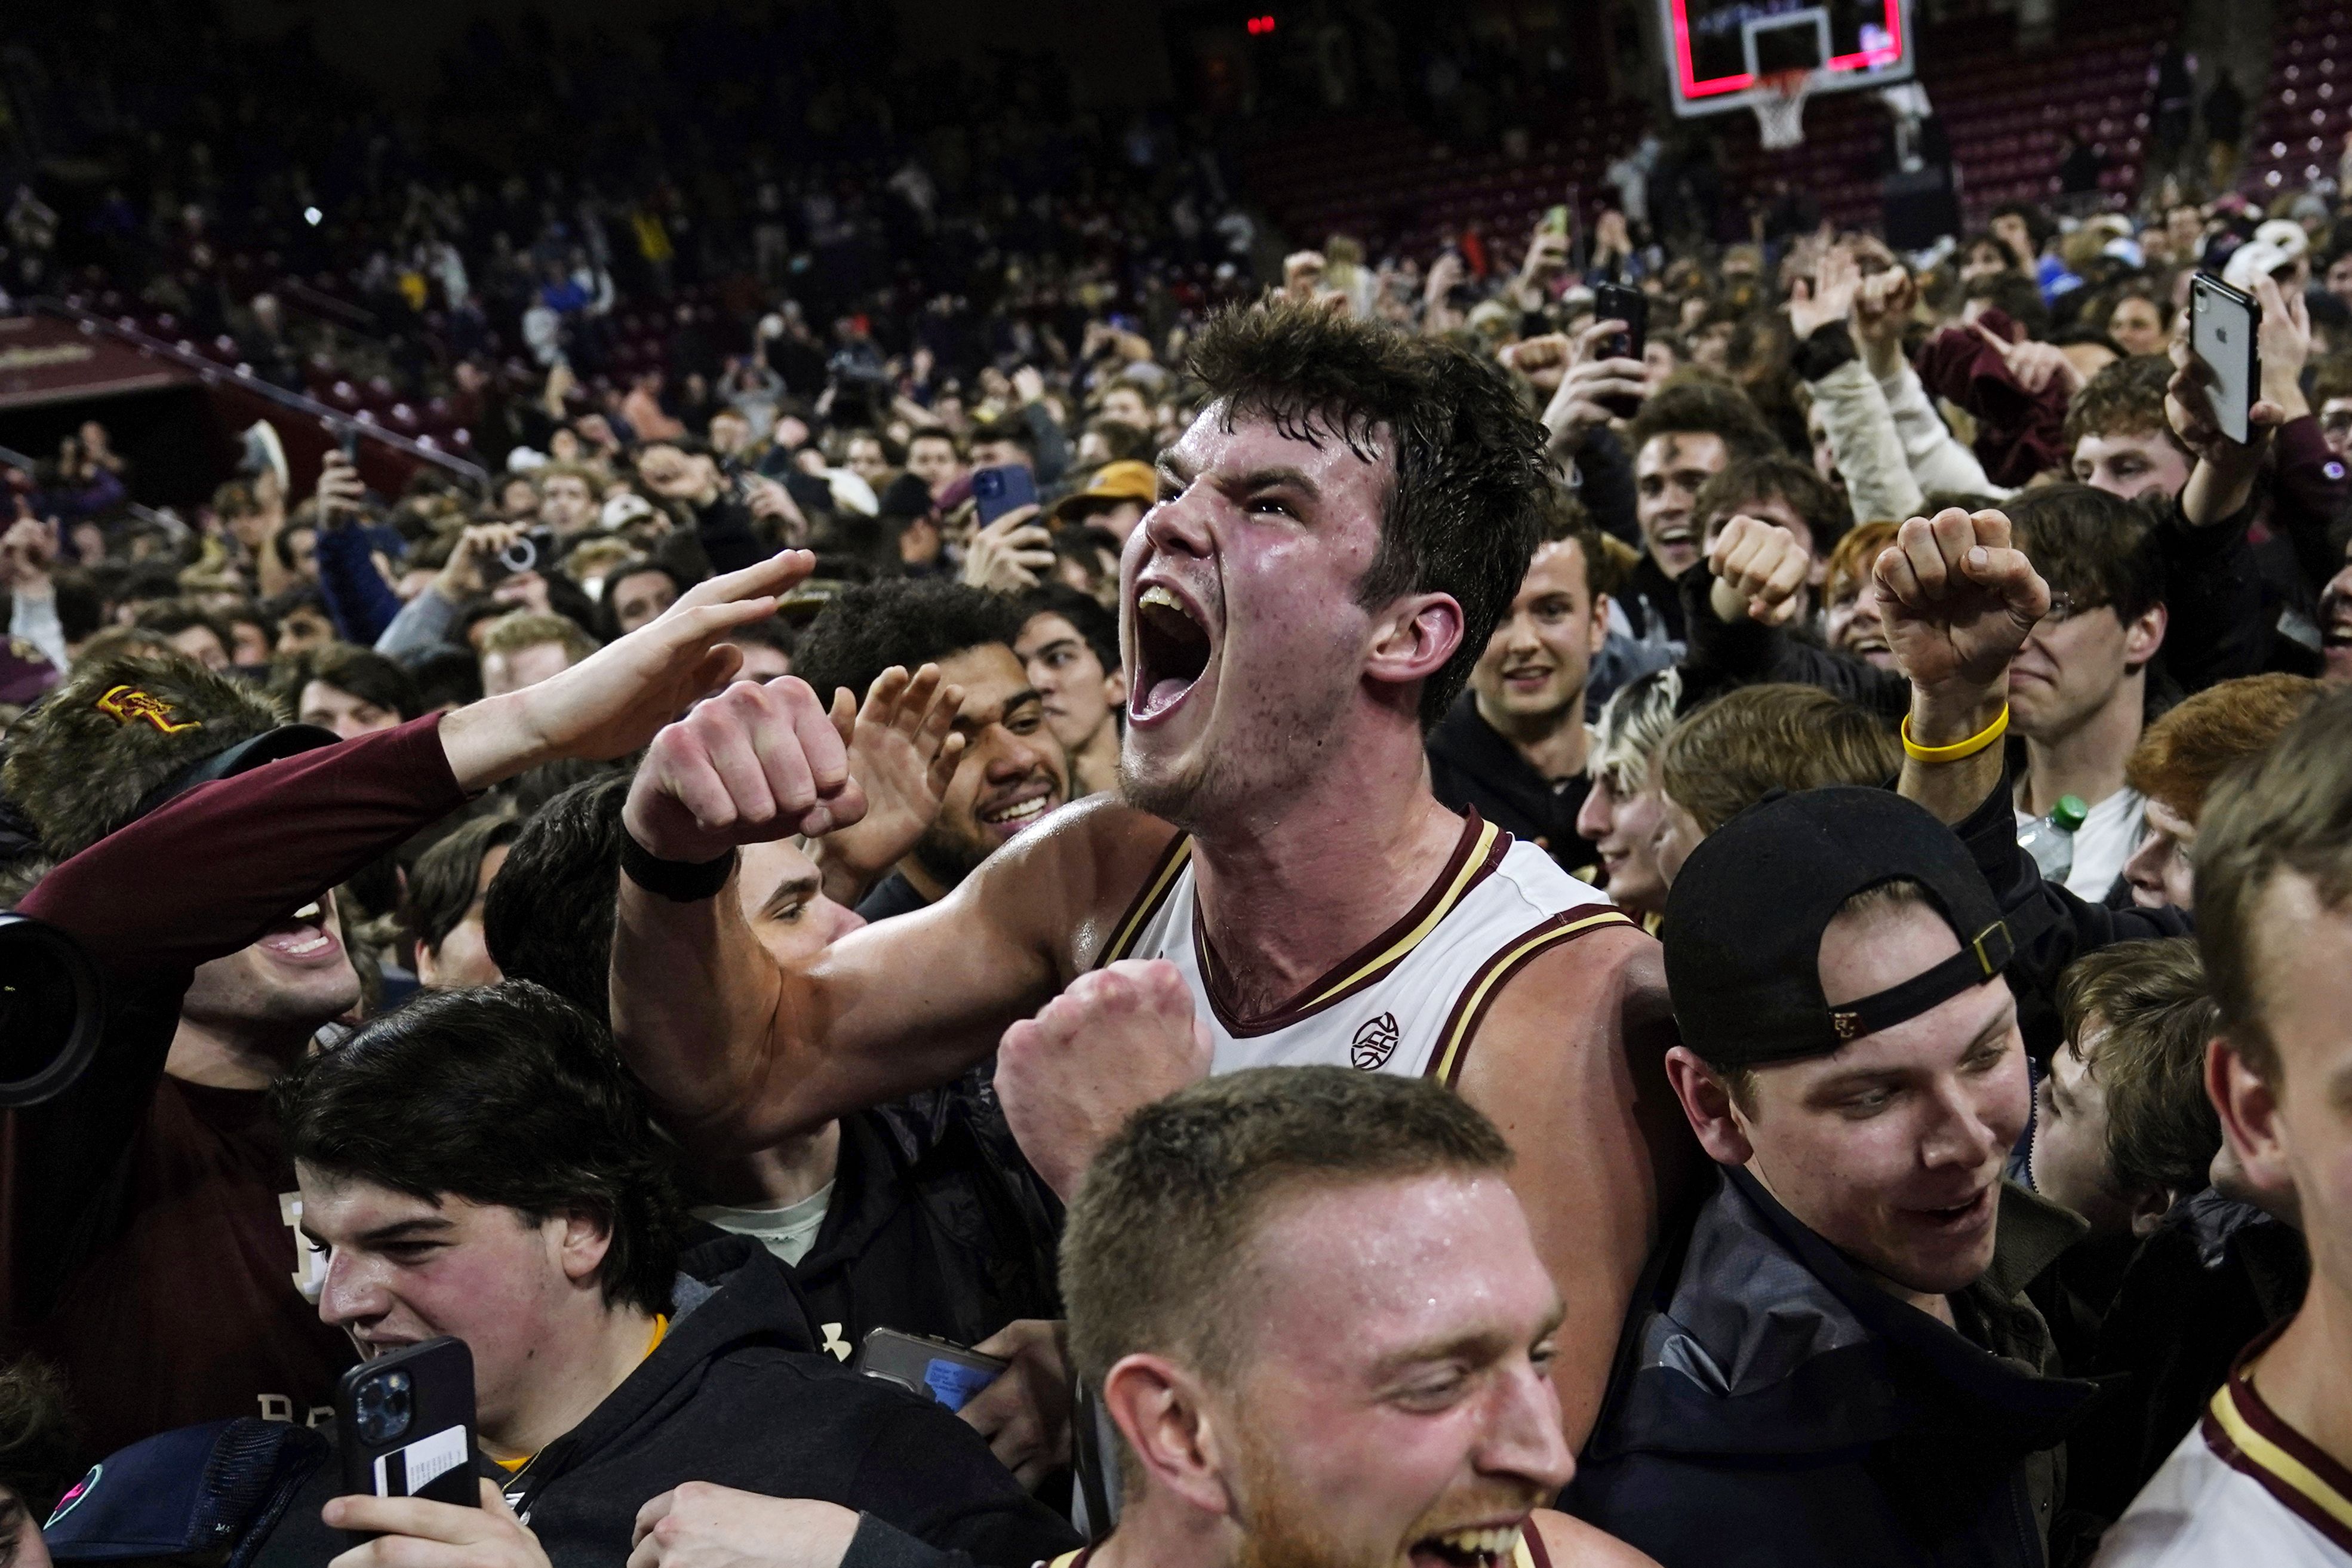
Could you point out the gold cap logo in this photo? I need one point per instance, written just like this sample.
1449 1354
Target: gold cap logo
126 703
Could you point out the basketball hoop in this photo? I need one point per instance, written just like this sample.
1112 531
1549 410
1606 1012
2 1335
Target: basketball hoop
1780 108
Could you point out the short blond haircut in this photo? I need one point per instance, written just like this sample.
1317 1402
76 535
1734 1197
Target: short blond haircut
523 630
1737 748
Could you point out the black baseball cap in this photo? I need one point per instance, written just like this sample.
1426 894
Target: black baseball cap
1744 917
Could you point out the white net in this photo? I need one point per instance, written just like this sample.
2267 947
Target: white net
1780 110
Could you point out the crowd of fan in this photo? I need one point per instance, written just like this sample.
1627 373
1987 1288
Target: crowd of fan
395 965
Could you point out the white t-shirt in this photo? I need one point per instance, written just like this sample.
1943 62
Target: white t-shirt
788 1232
2243 1488
2104 841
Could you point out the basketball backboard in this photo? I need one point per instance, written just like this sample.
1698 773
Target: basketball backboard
1719 52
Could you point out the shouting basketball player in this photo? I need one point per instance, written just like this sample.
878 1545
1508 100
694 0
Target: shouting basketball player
1335 540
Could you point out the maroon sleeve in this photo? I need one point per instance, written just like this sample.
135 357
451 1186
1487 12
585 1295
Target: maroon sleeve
213 870
2308 496
2019 434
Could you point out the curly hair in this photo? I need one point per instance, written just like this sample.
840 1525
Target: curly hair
120 726
505 1096
869 626
2126 399
1695 403
1463 512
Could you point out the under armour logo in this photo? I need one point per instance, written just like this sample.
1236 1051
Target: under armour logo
834 1342
1375 1042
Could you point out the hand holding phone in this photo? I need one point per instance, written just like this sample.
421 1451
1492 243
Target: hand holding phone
1617 303
997 490
946 1372
2224 336
404 1425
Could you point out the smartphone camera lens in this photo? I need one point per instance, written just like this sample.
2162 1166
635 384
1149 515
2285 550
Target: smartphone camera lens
520 556
381 1408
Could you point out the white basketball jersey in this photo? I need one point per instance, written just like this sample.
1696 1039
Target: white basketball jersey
1410 1001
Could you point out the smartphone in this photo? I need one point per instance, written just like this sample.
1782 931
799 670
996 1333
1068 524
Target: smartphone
350 442
2225 330
1618 302
998 490
404 1423
1555 221
947 1372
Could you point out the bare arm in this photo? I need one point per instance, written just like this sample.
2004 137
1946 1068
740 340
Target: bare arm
1571 1065
740 1051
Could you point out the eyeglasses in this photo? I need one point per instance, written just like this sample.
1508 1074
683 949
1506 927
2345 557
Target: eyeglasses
2065 607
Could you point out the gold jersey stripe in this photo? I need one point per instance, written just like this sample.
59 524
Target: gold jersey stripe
1472 864
1145 908
1444 1065
2284 1466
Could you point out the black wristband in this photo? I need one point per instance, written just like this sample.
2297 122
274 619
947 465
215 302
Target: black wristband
681 881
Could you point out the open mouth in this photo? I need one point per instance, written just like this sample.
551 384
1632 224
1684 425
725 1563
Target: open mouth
1526 677
1964 1217
305 937
1483 1548
1026 804
1172 652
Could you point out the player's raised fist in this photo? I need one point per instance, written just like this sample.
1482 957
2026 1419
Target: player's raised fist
753 764
1119 1039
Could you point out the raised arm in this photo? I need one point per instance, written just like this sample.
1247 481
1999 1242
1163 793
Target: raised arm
739 1050
1957 601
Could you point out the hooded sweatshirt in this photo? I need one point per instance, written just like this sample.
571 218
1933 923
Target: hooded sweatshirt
738 1394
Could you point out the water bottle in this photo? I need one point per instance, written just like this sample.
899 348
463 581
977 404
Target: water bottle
2051 840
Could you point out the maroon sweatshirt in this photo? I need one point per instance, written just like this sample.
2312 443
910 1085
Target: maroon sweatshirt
150 1247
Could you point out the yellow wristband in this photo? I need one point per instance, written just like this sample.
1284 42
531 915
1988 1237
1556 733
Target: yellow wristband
1958 749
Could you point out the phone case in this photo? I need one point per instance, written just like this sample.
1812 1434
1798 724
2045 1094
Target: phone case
948 1372
2223 331
995 491
404 1424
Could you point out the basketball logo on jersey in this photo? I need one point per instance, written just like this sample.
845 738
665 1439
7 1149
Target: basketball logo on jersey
1375 1042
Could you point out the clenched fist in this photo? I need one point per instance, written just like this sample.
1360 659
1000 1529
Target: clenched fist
1119 1039
1956 599
1760 572
754 764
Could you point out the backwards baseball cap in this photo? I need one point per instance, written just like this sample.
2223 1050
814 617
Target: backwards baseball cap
1113 483
1745 918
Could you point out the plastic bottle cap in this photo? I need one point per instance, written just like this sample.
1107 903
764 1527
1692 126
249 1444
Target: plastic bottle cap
2070 812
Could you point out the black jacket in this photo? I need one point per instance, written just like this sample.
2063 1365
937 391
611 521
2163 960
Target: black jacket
937 1226
738 1394
2052 926
2166 1318
1471 765
2215 628
1772 1409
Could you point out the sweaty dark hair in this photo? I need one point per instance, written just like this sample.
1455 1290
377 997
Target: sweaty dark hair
441 886
1466 507
549 916
2095 548
505 1096
1097 625
1694 404
866 628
